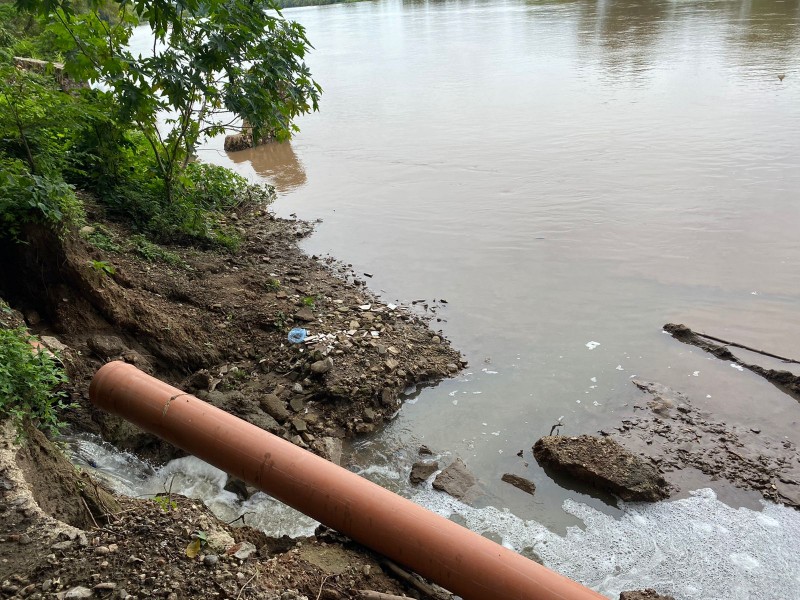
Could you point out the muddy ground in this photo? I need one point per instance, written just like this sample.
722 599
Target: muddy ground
215 323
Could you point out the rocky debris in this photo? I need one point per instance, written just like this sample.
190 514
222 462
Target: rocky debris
425 451
602 463
225 318
675 435
526 485
421 470
648 594
456 480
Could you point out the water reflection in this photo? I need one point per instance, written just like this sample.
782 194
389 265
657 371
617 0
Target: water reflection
276 162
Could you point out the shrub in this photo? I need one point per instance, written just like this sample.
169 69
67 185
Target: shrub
29 382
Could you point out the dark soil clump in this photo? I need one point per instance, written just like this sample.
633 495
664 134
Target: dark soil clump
603 463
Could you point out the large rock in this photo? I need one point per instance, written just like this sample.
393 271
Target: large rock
455 480
603 463
275 407
106 346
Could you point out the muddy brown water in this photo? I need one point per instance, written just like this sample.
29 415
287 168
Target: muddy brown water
561 173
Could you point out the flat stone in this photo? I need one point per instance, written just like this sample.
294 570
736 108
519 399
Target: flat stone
105 346
244 551
299 424
105 586
61 546
602 463
455 480
54 344
275 407
525 485
369 415
78 592
422 470
391 364
297 404
305 314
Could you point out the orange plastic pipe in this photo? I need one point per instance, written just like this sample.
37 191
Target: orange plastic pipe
456 558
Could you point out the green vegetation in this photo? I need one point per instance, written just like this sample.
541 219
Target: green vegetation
29 382
129 143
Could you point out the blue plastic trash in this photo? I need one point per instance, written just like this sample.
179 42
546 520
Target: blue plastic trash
297 335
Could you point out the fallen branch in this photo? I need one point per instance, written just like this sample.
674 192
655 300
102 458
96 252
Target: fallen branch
756 350
370 595
410 579
785 380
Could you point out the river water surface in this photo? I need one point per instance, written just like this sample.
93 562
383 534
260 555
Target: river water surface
560 173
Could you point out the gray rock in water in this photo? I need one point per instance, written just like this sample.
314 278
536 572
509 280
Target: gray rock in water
422 470
455 480
330 448
603 463
525 485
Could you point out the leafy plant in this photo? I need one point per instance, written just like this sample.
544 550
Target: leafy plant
210 59
199 540
279 320
29 382
272 285
165 502
309 301
102 266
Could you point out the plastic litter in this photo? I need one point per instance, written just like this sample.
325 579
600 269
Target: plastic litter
297 335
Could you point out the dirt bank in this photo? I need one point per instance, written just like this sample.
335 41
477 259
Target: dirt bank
140 548
216 324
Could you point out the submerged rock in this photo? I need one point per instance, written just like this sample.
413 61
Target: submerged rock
521 483
455 480
422 470
603 463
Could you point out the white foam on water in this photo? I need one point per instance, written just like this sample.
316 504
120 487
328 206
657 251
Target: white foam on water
694 549
188 476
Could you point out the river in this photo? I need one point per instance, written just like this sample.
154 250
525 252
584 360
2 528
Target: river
560 173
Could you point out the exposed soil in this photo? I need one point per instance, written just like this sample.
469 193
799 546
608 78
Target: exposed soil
217 325
138 549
